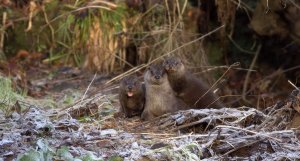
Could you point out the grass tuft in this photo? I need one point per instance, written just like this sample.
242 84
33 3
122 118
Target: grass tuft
190 151
8 95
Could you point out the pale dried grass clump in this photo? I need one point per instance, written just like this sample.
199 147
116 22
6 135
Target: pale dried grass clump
154 36
105 49
168 35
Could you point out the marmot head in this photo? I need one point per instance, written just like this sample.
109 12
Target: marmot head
131 85
173 64
156 74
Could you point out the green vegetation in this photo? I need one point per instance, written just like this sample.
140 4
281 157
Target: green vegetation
75 33
46 153
8 95
185 152
68 31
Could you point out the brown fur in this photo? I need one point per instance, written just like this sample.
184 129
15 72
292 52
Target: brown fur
160 98
132 105
188 87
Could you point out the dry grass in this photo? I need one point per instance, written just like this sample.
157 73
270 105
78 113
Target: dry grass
106 48
209 133
102 47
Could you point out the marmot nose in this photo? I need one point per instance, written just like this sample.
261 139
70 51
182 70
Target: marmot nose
157 77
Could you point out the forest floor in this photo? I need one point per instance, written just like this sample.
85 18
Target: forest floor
73 115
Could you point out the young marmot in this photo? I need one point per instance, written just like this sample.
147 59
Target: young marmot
188 87
131 96
160 97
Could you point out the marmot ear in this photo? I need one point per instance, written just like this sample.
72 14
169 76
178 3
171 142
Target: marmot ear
149 67
179 60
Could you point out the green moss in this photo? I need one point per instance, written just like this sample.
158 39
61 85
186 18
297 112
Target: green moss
46 153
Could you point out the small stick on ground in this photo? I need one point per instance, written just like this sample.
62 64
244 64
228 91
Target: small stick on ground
88 88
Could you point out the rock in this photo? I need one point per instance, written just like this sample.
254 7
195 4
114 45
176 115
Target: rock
111 132
135 145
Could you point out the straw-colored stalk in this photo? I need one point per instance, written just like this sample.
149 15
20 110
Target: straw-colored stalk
106 50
